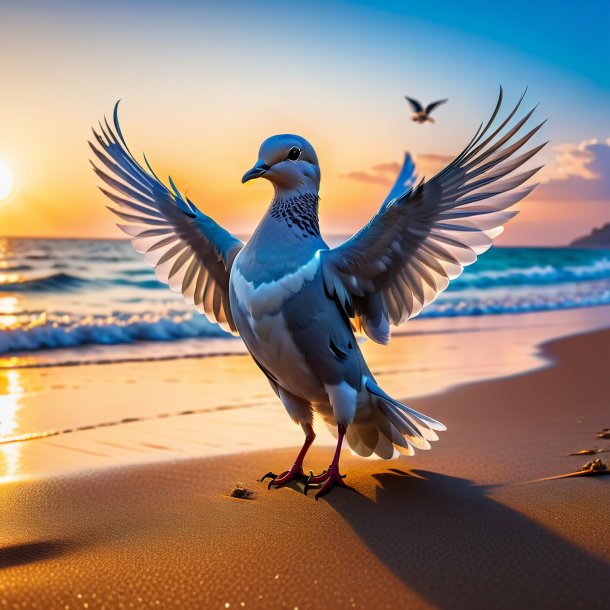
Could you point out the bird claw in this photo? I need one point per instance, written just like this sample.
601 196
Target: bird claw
315 479
325 481
313 476
294 473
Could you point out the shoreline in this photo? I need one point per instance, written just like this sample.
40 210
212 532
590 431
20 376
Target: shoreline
91 354
116 414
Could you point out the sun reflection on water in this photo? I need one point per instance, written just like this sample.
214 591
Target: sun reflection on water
8 312
12 316
10 278
11 391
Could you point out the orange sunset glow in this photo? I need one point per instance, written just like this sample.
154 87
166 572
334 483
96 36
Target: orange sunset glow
207 132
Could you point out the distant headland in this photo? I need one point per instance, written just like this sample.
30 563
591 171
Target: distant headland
598 238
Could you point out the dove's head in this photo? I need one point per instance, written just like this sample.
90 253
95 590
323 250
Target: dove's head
289 162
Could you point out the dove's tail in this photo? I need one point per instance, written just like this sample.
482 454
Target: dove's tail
390 426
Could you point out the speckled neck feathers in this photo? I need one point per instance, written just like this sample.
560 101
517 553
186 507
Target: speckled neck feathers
286 239
299 212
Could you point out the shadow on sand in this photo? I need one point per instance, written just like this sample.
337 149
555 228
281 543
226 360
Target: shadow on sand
459 549
20 554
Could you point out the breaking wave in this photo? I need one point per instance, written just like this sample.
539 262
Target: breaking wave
69 293
51 282
38 331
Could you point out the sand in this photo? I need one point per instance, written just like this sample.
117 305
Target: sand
452 528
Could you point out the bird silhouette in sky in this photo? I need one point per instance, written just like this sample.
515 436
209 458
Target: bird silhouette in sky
421 114
298 304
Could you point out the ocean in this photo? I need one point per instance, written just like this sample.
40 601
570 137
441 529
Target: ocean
70 301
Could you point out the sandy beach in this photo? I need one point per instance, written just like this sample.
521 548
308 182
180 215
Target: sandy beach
466 525
210 215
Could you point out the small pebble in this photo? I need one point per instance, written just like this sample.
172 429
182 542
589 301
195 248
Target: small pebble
595 465
239 491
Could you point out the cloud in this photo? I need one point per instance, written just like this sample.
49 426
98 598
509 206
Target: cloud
427 164
367 177
579 172
383 173
387 167
435 158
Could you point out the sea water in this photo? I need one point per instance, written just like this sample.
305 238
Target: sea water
72 296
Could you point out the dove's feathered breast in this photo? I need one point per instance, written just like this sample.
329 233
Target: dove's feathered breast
277 298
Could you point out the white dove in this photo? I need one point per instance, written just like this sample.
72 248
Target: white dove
298 304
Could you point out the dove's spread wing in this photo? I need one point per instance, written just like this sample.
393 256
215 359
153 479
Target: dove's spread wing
190 252
415 105
430 107
408 252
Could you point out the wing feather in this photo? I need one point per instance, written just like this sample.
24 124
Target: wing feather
405 180
430 107
425 236
189 251
415 105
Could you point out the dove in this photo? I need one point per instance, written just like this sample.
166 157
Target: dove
421 115
298 304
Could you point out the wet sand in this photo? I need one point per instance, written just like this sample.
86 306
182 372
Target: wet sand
451 528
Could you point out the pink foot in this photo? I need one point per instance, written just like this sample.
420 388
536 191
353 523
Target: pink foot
326 481
294 473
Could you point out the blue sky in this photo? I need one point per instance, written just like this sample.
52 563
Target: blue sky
572 36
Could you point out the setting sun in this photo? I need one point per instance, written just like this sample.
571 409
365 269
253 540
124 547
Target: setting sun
6 181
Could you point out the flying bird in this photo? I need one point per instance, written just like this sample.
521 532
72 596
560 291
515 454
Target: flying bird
298 304
421 115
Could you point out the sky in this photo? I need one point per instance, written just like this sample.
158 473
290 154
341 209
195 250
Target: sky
203 84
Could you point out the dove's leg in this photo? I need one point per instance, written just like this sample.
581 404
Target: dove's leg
295 472
331 477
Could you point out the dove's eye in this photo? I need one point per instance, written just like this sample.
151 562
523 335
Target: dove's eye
294 153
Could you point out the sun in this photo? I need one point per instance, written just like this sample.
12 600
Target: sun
6 181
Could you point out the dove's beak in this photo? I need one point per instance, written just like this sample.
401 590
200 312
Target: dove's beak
256 172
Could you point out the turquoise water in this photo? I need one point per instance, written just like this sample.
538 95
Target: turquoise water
71 293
